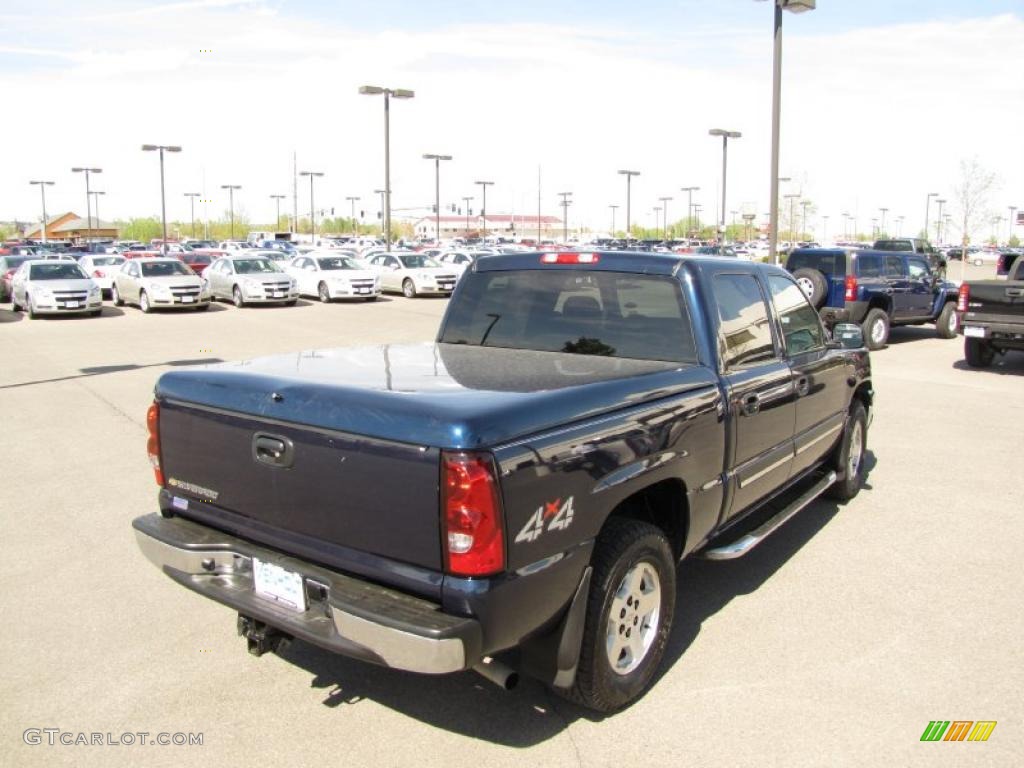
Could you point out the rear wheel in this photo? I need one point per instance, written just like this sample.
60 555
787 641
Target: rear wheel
629 615
15 307
323 292
409 289
978 353
876 329
144 304
236 297
947 323
849 456
115 296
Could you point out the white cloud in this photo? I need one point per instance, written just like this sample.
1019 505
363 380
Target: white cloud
873 117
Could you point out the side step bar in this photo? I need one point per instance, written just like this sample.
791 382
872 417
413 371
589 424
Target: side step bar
744 544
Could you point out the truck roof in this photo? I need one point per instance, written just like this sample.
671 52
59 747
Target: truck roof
608 261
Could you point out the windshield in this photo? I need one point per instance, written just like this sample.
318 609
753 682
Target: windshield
255 266
612 314
417 261
894 245
60 270
13 262
336 262
107 261
164 269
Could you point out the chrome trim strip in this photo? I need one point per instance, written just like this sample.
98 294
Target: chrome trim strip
745 481
819 438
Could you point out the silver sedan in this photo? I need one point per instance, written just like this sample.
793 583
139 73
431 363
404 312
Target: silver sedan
45 286
245 279
159 283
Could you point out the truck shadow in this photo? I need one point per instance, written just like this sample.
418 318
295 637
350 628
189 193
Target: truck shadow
468 705
1008 365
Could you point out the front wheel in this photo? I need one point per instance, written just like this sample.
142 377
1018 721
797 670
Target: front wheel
947 323
978 353
144 304
409 289
323 292
629 615
848 460
32 314
115 296
876 329
236 297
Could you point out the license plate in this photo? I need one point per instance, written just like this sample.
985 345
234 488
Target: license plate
187 299
971 330
363 290
277 294
281 586
71 305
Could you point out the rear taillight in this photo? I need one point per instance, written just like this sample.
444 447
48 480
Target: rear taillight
153 444
471 515
963 296
851 288
99 273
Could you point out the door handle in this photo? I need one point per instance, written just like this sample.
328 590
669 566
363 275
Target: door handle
1015 292
750 404
803 386
272 450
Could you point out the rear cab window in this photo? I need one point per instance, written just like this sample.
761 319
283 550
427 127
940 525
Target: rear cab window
829 262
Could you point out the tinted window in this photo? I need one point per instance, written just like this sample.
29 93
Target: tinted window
829 263
337 262
164 269
870 265
589 313
746 332
918 269
61 270
13 262
800 325
254 266
894 267
417 261
107 261
894 245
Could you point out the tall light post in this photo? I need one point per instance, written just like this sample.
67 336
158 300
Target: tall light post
483 206
88 197
96 204
1013 211
726 135
629 179
566 202
689 207
792 216
846 222
697 208
163 204
657 212
614 209
192 204
664 206
277 200
231 203
352 201
398 93
927 205
796 6
803 216
466 201
881 229
437 191
44 184
312 210
382 194
939 220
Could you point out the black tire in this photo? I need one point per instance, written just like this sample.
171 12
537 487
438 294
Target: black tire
978 353
323 293
948 322
144 304
409 289
236 297
115 296
623 545
32 315
850 475
876 329
14 304
814 284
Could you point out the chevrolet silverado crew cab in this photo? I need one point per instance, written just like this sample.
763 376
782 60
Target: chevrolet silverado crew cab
514 497
876 290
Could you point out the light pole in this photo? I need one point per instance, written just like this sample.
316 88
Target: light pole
726 135
483 207
437 191
697 207
96 205
939 220
1013 210
312 211
566 202
664 206
824 229
466 201
44 184
231 203
352 201
792 217
796 6
803 217
846 221
398 93
88 197
689 207
163 204
881 229
927 204
382 194
192 204
629 179
614 208
277 199
657 212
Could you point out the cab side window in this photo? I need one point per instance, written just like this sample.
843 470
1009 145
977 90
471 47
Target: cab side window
745 329
918 269
801 327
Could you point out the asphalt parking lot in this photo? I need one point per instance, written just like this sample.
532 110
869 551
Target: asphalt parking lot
834 643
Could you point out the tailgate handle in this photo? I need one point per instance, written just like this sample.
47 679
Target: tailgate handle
273 450
1015 292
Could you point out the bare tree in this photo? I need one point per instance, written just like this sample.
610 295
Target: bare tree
971 195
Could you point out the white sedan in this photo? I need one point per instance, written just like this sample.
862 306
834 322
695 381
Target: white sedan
328 276
102 268
158 283
413 274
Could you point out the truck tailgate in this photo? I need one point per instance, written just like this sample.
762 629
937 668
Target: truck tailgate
995 301
365 494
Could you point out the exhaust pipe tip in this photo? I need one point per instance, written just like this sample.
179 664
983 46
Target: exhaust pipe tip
500 674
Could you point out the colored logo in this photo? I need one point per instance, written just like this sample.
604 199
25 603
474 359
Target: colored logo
958 730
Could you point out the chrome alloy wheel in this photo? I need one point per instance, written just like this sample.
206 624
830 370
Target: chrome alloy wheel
633 618
856 452
806 286
878 332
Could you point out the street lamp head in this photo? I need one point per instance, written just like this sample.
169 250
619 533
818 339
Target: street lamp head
47 183
87 170
379 191
370 90
724 132
230 186
149 147
172 149
402 93
796 6
437 157
311 173
630 173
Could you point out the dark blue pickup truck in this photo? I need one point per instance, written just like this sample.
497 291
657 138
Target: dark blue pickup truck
514 497
876 289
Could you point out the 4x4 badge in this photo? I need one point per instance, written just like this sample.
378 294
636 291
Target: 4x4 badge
550 516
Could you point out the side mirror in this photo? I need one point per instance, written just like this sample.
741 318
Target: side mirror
849 335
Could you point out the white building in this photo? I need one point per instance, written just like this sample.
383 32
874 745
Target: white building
499 224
